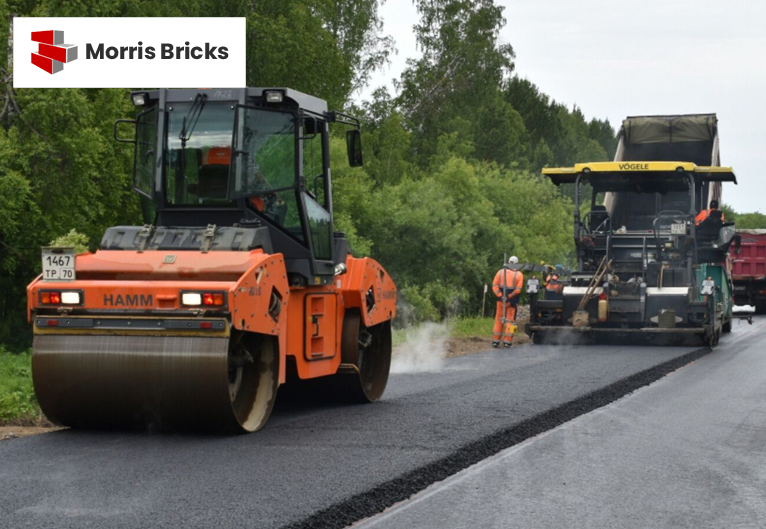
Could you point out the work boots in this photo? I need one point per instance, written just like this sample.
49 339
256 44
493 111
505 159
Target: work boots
495 344
507 345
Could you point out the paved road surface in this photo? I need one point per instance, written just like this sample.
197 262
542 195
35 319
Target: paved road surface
687 451
307 458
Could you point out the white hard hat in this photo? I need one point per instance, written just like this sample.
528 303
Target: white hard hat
513 260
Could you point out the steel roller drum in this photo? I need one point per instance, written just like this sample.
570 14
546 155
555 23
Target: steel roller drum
102 380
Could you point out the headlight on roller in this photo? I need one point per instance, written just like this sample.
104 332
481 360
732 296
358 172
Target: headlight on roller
191 298
204 299
70 298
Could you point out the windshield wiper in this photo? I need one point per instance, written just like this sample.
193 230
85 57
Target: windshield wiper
190 121
187 127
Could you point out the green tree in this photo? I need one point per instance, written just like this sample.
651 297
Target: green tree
356 27
728 212
567 136
73 239
461 67
750 221
387 142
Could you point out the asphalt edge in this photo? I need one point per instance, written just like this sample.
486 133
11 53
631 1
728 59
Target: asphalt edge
379 498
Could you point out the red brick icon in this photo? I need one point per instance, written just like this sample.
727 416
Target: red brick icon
52 53
49 65
48 37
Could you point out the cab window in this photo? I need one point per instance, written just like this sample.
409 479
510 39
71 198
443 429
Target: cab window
198 154
320 226
313 158
146 143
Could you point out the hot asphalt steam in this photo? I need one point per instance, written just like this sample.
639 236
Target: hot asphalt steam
423 350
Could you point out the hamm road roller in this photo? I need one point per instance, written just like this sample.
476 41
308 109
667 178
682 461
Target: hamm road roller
236 284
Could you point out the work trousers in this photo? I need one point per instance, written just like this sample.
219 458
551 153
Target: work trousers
510 318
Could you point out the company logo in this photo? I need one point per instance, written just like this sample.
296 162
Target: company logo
634 166
128 300
52 53
115 53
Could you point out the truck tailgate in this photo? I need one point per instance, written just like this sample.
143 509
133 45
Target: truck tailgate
749 257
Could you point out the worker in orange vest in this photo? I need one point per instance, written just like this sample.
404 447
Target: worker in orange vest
705 213
553 286
507 288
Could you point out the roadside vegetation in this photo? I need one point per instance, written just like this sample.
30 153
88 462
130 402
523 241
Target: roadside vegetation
18 404
745 221
472 327
461 327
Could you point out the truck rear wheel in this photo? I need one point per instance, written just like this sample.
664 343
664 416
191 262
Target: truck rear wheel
712 339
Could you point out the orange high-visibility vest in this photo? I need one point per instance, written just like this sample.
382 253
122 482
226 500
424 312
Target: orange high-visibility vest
553 284
704 214
514 280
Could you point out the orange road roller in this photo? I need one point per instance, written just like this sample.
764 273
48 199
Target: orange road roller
236 284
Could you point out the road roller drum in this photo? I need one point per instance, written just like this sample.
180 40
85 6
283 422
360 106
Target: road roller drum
154 381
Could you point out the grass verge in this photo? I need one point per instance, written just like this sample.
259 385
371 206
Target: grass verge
18 404
473 327
464 327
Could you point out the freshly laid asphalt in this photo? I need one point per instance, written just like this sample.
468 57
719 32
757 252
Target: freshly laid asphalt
687 451
319 465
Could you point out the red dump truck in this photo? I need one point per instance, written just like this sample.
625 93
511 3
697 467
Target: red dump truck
748 255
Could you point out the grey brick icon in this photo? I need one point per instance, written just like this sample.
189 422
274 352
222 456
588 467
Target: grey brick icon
71 51
56 66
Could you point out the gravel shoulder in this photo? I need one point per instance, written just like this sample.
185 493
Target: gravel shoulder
14 432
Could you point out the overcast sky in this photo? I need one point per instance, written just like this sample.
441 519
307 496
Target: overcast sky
628 57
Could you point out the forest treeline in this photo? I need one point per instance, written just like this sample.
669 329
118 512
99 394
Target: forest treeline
745 221
453 153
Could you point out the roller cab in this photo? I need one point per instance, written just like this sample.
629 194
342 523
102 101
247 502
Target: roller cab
236 283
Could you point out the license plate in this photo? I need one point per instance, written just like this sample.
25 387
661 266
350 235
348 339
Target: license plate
678 228
58 264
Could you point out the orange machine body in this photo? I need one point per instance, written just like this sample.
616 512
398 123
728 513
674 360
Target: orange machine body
308 320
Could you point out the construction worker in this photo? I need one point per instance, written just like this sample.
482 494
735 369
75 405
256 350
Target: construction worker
507 288
553 287
705 213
